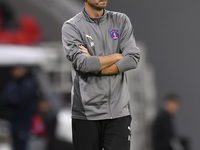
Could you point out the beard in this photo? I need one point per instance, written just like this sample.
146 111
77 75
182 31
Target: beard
101 4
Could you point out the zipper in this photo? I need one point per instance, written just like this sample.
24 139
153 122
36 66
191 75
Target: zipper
98 23
109 101
109 91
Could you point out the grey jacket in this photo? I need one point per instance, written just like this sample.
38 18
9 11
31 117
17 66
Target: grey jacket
99 97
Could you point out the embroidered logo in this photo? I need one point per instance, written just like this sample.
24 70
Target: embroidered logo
114 34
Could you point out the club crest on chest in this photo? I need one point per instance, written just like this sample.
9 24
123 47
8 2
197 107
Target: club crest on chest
114 34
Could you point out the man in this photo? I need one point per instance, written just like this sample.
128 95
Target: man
101 47
18 101
163 127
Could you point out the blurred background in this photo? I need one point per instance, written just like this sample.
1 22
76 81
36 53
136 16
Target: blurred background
32 59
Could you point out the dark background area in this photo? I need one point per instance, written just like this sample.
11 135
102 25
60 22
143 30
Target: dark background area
171 32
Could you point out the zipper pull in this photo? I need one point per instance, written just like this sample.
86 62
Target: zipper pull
98 21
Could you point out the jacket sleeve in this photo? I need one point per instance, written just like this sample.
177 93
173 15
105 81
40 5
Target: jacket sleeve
71 39
128 47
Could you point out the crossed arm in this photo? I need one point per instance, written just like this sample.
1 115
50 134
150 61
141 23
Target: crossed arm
107 63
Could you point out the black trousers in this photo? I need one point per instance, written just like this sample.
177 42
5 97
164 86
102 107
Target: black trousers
20 135
111 134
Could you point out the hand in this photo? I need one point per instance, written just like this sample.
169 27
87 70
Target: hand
84 50
120 55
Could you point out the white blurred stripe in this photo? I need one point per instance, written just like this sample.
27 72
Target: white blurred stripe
5 146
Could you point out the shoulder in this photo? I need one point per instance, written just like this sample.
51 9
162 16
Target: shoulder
118 15
73 21
162 115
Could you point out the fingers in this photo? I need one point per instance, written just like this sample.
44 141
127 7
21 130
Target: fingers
82 47
84 50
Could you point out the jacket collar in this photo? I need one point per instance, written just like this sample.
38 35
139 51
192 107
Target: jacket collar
93 20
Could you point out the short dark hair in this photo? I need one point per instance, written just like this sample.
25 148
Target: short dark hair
172 97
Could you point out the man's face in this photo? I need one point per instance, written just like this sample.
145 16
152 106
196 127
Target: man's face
18 72
171 106
97 4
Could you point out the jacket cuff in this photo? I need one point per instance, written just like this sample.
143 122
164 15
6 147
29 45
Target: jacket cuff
92 64
126 63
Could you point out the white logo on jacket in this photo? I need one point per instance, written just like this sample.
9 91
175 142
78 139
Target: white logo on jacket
90 37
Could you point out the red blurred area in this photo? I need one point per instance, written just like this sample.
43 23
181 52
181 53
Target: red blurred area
37 125
27 33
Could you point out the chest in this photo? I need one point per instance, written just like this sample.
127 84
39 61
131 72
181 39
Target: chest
101 39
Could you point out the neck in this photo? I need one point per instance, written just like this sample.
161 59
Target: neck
93 13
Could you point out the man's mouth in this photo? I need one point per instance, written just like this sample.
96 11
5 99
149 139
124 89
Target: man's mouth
103 1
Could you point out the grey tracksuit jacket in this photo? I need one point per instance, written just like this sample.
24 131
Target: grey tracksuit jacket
97 97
